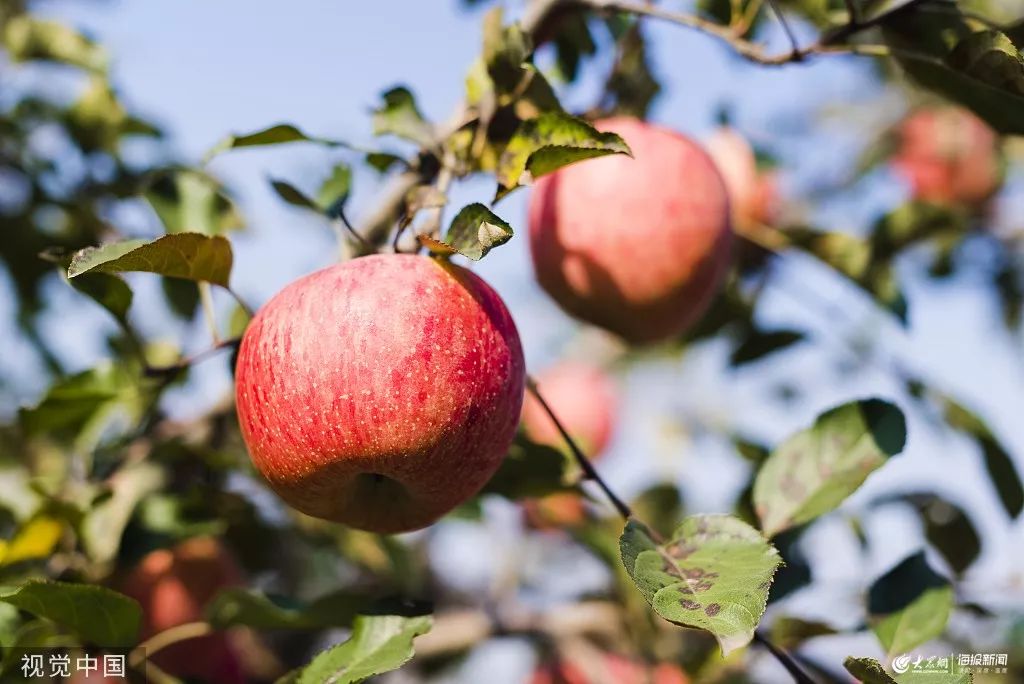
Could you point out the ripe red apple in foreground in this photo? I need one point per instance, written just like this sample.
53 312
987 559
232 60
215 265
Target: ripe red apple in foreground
753 194
174 586
949 156
638 246
382 392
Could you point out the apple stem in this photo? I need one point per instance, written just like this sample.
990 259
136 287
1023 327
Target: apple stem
794 670
581 459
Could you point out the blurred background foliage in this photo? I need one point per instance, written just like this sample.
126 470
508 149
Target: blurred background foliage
102 485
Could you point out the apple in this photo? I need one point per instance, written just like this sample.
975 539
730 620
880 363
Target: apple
948 156
753 194
583 398
173 586
380 393
636 245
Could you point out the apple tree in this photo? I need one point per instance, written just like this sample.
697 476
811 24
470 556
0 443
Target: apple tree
292 530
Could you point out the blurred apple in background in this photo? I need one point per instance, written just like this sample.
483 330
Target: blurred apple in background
949 156
174 586
635 245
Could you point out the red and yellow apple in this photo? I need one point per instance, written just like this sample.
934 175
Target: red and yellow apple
173 587
382 392
753 193
636 245
948 156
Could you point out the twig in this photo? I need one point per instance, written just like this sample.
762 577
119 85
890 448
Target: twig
160 641
241 302
208 311
795 52
798 675
584 463
174 369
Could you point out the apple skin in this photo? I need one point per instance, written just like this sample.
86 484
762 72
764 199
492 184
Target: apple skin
948 156
174 586
638 246
380 393
753 194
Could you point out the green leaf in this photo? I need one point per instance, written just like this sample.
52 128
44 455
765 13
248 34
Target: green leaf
400 116
102 526
293 196
814 470
789 632
27 37
530 470
334 191
474 232
759 344
982 70
998 463
191 201
383 161
909 605
947 527
632 84
277 134
81 404
237 606
867 671
379 643
96 614
109 291
191 256
549 142
505 50
713 574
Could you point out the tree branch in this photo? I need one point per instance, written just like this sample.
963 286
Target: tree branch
581 459
794 670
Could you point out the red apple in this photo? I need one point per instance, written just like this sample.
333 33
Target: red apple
949 156
638 246
382 392
753 194
173 586
583 398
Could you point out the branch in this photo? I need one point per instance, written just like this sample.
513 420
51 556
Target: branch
175 368
798 675
581 459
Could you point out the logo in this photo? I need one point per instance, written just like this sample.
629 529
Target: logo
901 663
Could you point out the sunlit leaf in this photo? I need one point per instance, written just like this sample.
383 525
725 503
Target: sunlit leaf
26 37
335 189
400 116
814 470
101 527
188 201
713 574
474 232
191 256
549 142
96 614
909 605
35 539
379 643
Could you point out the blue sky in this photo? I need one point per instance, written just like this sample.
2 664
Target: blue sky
203 69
